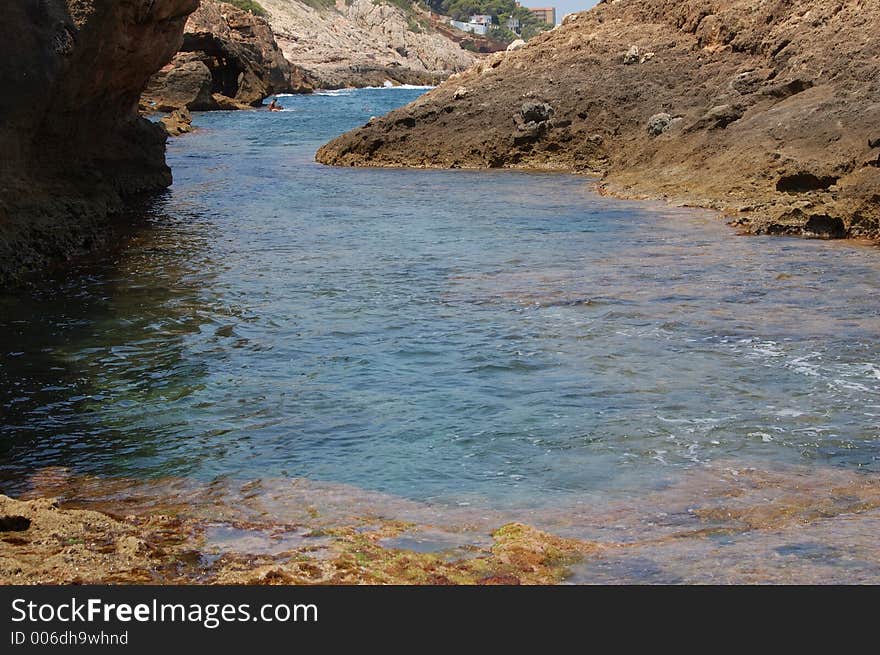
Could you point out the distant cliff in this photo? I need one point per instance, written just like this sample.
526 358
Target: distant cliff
367 42
768 110
73 144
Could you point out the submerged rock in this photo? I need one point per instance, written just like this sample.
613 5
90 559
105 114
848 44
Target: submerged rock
181 532
48 544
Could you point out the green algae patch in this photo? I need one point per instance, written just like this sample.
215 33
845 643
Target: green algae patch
534 556
519 554
69 545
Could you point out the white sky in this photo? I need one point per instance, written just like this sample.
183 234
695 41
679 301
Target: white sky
563 7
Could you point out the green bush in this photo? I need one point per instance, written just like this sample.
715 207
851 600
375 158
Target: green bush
248 5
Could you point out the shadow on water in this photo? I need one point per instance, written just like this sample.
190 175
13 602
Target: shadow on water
88 345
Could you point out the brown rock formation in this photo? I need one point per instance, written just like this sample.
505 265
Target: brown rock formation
768 110
186 83
178 122
73 144
226 52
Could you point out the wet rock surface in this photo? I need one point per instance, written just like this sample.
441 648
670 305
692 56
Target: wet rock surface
731 105
80 546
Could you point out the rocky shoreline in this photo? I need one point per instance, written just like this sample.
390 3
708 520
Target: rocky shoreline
44 544
776 525
767 115
176 532
77 151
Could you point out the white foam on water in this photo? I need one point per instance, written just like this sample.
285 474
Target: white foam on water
391 85
334 92
851 386
872 369
804 366
351 91
768 349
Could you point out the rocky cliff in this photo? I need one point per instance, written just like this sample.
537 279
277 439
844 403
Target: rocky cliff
366 42
73 144
228 59
766 109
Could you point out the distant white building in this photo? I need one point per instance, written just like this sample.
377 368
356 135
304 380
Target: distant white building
469 27
478 24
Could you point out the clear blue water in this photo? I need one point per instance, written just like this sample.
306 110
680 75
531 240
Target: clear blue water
501 338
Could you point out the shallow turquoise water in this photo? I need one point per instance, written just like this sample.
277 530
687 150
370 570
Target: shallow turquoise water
497 338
